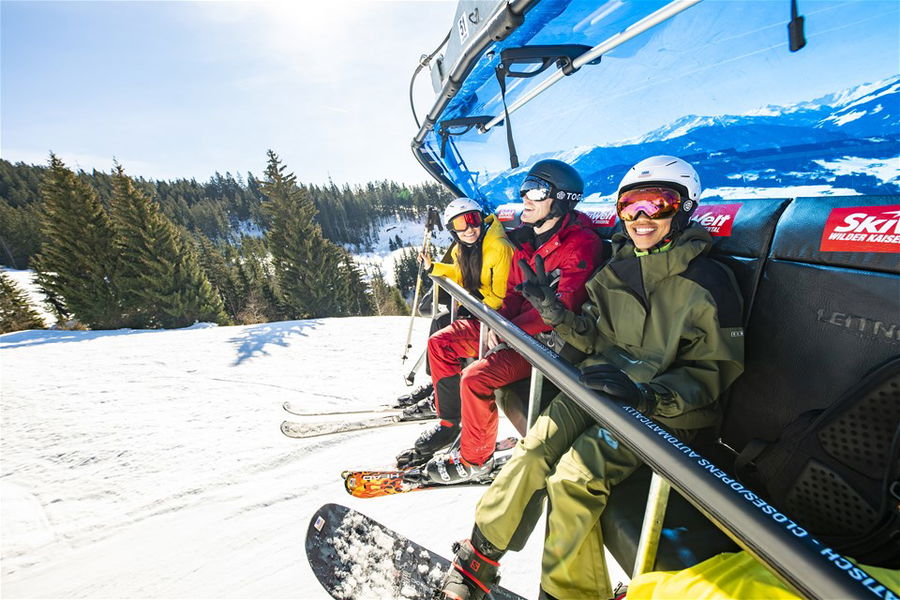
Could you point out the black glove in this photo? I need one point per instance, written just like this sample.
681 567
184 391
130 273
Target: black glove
536 289
614 382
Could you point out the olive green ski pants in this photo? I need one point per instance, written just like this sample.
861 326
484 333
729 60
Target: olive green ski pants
571 460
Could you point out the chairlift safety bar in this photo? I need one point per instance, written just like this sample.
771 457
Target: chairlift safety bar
802 562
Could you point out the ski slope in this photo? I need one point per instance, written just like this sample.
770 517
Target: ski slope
149 464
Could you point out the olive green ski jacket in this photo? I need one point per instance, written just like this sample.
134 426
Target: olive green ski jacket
671 319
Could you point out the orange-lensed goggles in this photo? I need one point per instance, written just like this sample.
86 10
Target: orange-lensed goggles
465 220
655 202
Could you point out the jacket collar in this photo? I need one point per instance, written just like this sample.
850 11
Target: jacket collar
523 237
642 273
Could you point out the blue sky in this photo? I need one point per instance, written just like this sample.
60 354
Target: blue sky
184 89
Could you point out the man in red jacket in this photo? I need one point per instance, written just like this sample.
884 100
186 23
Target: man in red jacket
571 251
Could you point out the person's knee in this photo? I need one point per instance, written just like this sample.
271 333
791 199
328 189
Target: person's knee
474 379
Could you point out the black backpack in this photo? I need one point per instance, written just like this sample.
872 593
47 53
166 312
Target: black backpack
836 471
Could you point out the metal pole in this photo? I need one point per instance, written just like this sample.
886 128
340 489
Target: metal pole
770 536
534 395
657 500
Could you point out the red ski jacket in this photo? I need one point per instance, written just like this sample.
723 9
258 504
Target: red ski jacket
571 256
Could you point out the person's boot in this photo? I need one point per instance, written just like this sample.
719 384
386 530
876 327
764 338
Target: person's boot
423 391
474 570
421 410
450 468
430 441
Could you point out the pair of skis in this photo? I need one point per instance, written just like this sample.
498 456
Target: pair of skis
308 429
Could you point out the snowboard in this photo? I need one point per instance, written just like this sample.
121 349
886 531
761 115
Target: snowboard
355 557
374 483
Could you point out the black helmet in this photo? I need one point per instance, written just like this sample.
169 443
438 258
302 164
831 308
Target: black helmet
565 185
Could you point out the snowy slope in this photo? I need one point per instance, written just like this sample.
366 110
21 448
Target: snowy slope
150 463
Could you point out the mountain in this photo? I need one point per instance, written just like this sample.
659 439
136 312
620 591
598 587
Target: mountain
844 142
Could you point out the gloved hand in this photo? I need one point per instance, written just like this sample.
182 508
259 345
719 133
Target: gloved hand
536 289
614 382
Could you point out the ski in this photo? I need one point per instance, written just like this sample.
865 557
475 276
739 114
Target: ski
297 410
374 483
355 557
296 429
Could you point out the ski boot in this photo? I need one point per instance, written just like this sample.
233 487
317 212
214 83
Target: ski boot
450 468
421 410
420 393
474 570
432 439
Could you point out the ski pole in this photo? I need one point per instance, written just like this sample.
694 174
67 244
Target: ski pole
411 377
430 222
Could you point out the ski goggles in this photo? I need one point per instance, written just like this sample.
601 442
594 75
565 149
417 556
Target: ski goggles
462 222
535 189
655 202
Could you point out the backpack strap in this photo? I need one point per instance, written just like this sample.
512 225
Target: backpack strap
745 463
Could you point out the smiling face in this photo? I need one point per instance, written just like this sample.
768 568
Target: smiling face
470 235
646 232
534 211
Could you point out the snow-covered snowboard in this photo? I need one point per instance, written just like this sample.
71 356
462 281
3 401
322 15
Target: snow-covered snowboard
355 557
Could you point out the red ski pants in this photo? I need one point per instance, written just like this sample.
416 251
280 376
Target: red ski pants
477 383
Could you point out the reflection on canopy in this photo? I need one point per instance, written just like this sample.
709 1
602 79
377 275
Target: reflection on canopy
715 85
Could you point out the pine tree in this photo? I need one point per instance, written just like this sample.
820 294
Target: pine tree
354 291
77 263
387 298
16 314
310 277
160 278
222 274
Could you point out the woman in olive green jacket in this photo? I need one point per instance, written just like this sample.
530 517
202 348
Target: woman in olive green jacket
662 331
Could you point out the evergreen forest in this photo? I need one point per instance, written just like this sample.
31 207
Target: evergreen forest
111 251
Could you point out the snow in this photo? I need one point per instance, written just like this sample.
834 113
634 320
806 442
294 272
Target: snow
782 191
847 117
886 171
150 463
411 234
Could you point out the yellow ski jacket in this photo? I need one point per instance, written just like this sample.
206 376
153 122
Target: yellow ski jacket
497 254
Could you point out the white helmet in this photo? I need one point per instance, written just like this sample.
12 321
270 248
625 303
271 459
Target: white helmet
672 172
458 207
663 169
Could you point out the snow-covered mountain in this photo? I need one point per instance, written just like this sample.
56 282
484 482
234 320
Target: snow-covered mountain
809 144
150 463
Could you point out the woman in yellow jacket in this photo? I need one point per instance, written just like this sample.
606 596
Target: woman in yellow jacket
480 263
482 256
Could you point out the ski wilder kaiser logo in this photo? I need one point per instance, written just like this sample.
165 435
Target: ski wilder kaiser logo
717 218
862 229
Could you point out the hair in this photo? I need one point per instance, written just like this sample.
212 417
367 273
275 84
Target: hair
470 261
